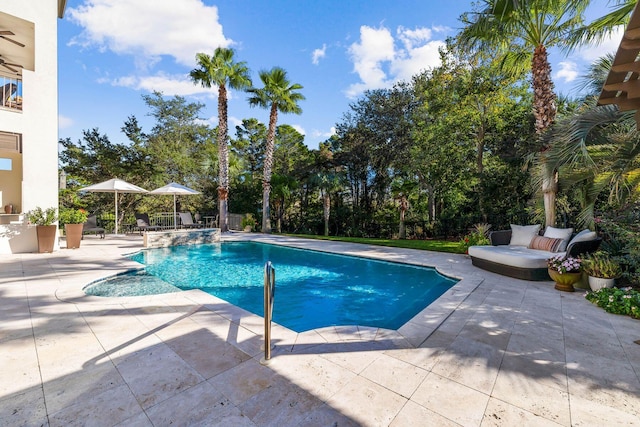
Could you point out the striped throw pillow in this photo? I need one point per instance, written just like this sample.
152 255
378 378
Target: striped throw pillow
548 244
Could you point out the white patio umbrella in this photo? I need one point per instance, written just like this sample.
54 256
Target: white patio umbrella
177 190
114 186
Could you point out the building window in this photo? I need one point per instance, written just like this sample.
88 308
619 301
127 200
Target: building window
5 164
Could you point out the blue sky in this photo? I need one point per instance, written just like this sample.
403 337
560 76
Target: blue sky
111 52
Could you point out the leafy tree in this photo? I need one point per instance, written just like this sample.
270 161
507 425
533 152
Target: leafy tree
249 145
220 70
278 94
328 178
94 159
522 31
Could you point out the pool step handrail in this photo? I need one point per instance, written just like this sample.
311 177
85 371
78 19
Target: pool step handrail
269 294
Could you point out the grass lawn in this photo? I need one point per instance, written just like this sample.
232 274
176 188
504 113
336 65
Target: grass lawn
425 245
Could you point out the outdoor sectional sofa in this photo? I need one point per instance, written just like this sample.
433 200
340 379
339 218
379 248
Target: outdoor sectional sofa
514 257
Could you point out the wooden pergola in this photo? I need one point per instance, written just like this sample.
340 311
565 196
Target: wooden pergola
622 87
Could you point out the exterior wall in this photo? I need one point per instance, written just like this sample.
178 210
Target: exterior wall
38 121
11 182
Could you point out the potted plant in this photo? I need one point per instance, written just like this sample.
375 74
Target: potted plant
564 271
73 221
248 222
601 269
46 230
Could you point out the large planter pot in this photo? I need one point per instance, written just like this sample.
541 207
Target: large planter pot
46 237
73 232
596 283
564 282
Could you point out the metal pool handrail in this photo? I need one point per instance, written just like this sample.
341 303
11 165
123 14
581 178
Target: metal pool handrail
269 294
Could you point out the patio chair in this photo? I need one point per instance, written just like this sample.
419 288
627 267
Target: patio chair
187 221
143 223
91 226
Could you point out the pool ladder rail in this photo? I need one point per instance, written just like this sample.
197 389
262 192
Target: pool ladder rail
269 294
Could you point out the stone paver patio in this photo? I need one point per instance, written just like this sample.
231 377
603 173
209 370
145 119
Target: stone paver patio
493 351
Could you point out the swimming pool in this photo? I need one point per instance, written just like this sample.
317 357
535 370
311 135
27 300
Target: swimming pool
313 289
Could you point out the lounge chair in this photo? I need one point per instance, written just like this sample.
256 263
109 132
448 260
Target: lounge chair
91 226
143 223
187 221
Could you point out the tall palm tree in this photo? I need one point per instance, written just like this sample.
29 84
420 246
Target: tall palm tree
597 149
522 31
278 94
221 70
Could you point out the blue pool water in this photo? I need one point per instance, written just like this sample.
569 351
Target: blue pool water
313 289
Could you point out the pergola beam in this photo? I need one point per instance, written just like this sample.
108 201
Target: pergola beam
622 87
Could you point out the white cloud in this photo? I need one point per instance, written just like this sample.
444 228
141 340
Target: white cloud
368 55
320 134
318 54
169 85
300 129
233 122
149 29
64 122
380 60
609 45
568 71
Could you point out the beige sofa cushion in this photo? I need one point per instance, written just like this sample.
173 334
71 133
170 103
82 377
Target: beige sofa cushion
521 235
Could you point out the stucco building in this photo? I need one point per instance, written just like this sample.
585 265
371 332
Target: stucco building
28 116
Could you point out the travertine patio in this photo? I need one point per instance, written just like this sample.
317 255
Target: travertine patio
492 351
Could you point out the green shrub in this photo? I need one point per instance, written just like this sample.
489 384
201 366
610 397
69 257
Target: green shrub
617 301
39 216
478 237
72 216
248 220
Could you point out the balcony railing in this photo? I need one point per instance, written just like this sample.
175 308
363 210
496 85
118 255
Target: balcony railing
11 92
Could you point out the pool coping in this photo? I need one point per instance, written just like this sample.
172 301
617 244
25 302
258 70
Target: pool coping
415 331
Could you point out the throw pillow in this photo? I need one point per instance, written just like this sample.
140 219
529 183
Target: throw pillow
521 235
584 236
548 244
559 233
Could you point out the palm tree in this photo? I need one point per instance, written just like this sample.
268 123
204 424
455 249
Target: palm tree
600 28
522 31
221 70
597 149
278 94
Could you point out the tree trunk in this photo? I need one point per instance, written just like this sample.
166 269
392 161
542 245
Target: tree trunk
223 159
266 220
268 166
404 205
544 110
431 204
480 144
279 206
223 209
549 191
326 211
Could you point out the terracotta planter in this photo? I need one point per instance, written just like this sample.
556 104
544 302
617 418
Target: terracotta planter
564 282
73 232
46 237
596 283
